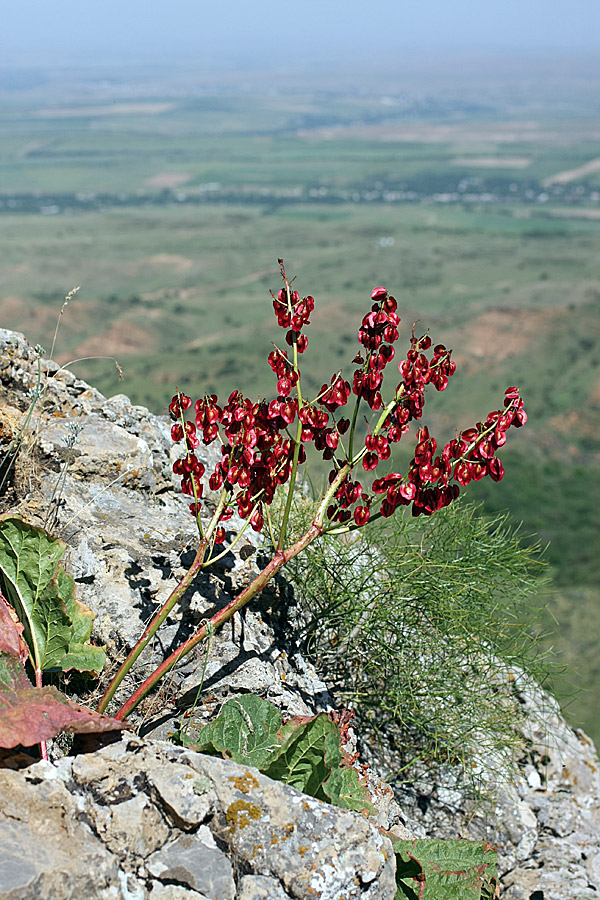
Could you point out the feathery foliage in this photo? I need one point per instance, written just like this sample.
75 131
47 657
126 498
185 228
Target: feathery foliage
423 626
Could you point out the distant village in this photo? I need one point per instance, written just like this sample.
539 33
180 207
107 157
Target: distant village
465 190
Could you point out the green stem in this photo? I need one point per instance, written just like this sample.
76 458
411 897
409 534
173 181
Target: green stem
291 486
298 443
280 558
352 428
175 595
237 538
382 417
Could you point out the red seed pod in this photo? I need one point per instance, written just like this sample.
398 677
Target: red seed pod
495 469
379 293
257 521
370 461
176 432
362 515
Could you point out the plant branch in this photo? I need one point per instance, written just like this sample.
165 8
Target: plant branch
165 609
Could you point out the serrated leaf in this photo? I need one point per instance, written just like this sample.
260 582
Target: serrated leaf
57 626
445 870
246 730
28 714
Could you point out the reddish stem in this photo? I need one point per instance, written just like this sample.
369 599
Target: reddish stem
154 625
43 745
280 558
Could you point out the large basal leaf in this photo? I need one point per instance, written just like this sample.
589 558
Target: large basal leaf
300 760
56 625
445 870
312 760
304 753
29 560
28 714
246 730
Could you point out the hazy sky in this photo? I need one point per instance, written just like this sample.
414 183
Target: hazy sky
257 31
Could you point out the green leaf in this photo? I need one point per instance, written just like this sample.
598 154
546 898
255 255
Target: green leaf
304 753
345 788
312 760
246 730
31 714
445 870
29 560
300 761
56 625
80 655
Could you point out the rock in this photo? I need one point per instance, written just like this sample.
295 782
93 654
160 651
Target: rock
145 819
46 850
260 887
111 825
185 796
196 861
311 848
546 823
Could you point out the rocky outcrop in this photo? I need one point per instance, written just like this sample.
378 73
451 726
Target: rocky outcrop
545 821
143 818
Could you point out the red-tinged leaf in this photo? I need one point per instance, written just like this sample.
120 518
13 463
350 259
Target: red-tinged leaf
28 714
11 633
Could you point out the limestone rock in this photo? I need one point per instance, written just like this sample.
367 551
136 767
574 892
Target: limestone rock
195 860
47 850
111 825
546 824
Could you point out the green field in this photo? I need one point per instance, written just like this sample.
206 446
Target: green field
482 219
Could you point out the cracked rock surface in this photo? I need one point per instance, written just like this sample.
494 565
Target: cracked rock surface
145 819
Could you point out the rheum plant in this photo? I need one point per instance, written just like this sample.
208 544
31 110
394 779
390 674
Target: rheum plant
263 446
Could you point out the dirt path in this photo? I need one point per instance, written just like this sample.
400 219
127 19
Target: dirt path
573 174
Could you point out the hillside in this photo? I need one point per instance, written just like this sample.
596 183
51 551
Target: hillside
479 213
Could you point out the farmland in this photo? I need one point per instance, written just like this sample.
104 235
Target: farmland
482 217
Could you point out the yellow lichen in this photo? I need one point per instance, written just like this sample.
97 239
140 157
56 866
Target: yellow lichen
279 838
240 814
244 783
